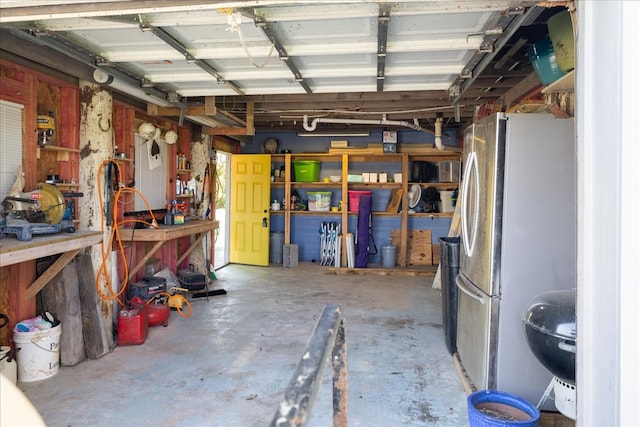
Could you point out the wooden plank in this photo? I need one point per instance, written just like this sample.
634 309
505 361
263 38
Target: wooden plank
143 261
13 251
394 200
419 251
454 231
467 383
555 419
210 106
167 232
51 272
228 131
62 299
13 286
355 150
200 110
426 271
435 254
98 337
428 150
191 248
233 117
250 121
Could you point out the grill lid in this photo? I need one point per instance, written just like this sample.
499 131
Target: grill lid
553 313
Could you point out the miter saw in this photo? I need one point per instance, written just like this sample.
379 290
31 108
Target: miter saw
42 211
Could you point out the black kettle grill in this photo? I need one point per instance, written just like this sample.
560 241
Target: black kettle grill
550 328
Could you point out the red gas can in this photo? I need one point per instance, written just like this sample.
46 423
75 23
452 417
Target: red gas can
133 326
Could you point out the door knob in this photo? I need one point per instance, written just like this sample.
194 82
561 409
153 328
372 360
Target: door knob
264 222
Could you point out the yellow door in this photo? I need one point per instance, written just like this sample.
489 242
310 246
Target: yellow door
249 214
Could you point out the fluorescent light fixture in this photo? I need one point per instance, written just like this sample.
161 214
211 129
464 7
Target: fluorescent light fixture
322 134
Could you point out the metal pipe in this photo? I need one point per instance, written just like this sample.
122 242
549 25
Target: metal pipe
327 341
310 127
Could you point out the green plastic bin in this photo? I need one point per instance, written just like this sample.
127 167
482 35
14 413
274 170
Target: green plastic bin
306 170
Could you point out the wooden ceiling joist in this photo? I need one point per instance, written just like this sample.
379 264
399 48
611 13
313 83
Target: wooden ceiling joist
248 129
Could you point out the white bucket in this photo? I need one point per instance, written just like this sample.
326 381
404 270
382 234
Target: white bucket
446 201
7 364
38 353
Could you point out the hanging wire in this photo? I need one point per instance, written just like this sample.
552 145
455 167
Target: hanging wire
234 20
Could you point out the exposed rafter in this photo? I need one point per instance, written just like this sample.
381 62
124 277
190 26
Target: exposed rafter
163 35
383 26
69 48
282 52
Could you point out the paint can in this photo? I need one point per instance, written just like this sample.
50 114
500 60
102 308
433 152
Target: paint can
37 353
388 256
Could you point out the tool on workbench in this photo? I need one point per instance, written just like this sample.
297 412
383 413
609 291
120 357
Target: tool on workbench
42 211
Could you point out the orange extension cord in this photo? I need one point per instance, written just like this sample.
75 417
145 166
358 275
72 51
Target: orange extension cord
115 233
175 301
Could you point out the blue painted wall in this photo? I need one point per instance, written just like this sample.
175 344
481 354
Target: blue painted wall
320 144
305 229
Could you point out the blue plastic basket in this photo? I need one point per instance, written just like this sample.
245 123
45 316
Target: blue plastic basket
488 408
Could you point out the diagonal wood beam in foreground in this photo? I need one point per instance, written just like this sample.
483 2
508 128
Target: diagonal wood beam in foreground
249 129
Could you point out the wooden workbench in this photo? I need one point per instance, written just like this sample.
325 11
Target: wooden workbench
166 233
18 284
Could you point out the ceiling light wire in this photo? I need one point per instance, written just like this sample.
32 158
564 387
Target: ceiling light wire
234 20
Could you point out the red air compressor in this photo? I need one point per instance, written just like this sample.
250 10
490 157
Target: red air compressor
157 311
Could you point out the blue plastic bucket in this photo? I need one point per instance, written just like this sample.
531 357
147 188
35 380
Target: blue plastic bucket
488 408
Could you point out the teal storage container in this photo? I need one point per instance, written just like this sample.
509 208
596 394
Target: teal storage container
544 62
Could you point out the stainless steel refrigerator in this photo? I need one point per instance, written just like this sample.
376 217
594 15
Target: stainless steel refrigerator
518 218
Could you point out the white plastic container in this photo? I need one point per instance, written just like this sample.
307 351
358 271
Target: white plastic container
446 201
37 353
449 171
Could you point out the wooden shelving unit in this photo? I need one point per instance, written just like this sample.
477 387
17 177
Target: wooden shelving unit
346 163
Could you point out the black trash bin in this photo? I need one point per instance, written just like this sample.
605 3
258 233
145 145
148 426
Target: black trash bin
449 268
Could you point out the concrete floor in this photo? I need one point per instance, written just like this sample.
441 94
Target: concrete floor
230 362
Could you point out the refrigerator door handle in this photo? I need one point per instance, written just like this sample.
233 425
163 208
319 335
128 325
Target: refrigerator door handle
469 231
467 287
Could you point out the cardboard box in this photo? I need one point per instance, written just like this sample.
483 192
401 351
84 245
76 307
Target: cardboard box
339 144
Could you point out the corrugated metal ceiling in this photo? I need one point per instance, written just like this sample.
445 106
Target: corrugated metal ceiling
184 51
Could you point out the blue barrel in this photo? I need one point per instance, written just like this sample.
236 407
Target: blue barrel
488 408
